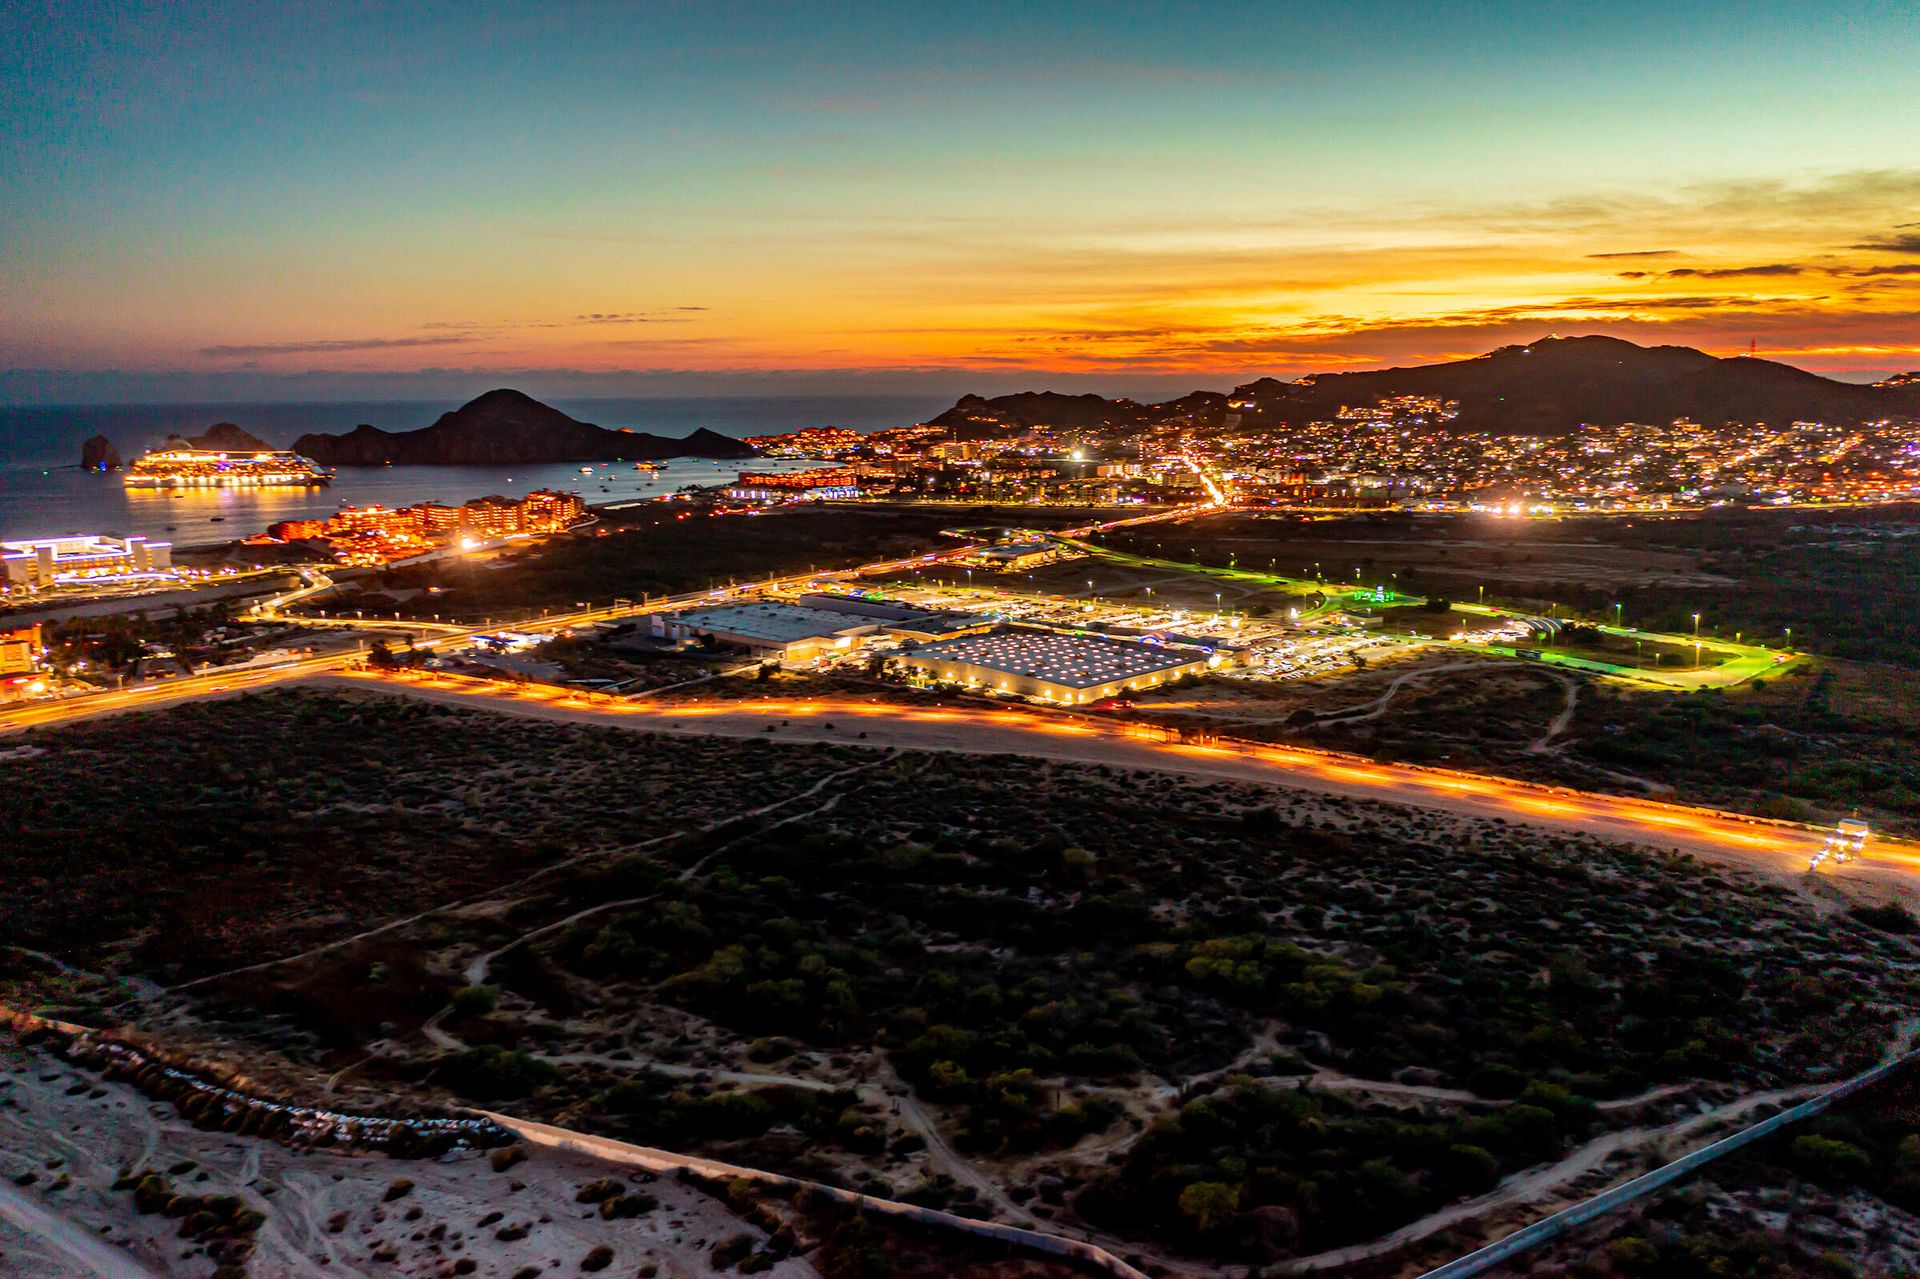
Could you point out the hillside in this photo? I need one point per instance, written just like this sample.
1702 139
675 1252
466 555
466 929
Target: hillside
507 427
221 437
1552 385
979 416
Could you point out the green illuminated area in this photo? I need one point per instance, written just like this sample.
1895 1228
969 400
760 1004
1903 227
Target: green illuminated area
1684 662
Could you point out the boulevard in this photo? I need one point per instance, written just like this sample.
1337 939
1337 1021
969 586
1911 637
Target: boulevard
1756 843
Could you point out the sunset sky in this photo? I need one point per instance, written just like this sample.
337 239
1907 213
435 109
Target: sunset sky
668 197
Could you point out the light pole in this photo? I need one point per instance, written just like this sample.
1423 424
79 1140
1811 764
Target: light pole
1696 626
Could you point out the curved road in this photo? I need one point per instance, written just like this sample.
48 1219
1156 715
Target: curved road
1753 842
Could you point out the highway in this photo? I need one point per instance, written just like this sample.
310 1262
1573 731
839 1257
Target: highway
1732 839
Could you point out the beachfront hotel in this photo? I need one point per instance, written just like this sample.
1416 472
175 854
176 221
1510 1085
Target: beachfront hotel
58 561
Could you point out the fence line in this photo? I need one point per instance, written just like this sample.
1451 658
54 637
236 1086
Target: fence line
1552 1227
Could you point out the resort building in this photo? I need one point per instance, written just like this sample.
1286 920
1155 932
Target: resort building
19 648
841 484
57 561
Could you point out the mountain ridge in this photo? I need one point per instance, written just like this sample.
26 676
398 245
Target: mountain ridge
1548 386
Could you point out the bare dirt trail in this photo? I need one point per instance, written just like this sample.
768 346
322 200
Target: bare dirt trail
53 1245
598 854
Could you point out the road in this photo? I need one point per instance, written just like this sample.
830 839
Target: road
214 683
1780 847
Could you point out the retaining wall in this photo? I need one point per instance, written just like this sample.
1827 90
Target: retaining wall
664 1161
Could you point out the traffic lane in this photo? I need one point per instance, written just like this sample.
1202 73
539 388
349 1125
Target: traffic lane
1753 844
156 696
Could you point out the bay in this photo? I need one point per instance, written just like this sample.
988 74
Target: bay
43 493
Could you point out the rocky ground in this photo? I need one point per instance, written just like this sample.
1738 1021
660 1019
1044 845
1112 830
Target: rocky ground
66 1138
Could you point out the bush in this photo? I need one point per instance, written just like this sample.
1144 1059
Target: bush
1829 1161
474 1001
491 1072
1893 917
855 1251
1498 1081
1209 1205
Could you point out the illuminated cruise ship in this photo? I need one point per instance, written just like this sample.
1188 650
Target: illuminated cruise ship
207 468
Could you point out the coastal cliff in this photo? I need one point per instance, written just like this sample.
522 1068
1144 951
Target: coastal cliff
99 454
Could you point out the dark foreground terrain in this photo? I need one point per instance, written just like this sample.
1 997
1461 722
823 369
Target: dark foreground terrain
1204 1020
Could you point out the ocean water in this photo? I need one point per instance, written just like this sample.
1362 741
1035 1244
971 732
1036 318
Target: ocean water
43 493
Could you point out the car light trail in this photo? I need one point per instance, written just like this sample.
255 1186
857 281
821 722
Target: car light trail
1778 844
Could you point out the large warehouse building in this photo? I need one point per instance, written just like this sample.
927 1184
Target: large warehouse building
819 625
1070 669
783 632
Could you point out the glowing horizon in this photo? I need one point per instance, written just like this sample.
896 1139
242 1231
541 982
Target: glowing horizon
1210 192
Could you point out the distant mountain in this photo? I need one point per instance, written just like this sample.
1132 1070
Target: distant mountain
1544 387
99 453
507 427
222 437
979 416
1558 384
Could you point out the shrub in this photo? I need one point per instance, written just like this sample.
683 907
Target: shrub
474 1001
491 1072
1829 1161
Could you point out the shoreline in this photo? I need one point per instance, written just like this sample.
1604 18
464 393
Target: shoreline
41 502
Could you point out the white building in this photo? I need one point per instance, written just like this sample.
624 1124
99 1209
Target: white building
53 561
786 632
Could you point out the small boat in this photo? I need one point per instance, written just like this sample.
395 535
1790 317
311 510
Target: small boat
648 466
217 519
586 470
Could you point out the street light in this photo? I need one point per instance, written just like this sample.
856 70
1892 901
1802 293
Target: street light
1696 626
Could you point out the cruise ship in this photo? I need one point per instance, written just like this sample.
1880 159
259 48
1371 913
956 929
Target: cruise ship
209 468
